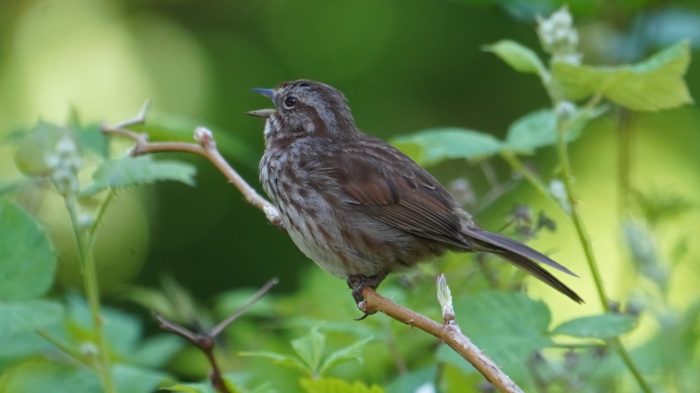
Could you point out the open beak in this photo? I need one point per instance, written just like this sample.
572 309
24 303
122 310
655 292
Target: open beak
264 113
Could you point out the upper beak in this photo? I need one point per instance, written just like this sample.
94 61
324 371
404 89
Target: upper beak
269 93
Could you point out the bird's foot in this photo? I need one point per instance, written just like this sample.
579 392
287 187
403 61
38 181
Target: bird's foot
358 283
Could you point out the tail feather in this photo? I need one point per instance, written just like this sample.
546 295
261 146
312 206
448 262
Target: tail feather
523 257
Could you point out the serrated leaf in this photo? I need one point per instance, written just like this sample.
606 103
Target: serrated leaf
654 84
351 352
28 316
432 146
26 262
518 56
508 327
283 360
538 129
310 349
603 326
128 171
333 385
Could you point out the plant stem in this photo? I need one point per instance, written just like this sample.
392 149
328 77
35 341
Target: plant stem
567 175
519 167
92 292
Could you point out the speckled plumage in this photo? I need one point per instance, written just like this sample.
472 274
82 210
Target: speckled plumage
358 207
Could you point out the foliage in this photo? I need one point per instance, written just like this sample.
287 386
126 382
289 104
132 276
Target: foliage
62 341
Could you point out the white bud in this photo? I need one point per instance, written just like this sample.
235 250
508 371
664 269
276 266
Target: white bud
565 110
88 349
66 146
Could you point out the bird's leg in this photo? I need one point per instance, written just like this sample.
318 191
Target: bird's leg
359 282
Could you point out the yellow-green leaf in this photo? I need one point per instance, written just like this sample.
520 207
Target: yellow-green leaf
332 385
516 55
654 84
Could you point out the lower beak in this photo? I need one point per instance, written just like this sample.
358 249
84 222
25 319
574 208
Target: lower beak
264 113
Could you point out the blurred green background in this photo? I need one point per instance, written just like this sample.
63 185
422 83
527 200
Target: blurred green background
405 65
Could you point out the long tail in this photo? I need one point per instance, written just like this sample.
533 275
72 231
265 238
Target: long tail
523 257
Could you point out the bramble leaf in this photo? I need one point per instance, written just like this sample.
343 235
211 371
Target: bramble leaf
28 265
434 145
654 84
131 171
333 385
603 326
516 55
538 129
509 327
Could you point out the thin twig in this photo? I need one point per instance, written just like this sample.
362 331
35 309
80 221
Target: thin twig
206 342
450 333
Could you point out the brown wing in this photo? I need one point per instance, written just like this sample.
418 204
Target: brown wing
388 186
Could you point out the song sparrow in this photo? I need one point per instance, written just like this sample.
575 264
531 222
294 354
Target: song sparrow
357 206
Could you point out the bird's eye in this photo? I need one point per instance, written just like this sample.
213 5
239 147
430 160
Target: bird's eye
290 101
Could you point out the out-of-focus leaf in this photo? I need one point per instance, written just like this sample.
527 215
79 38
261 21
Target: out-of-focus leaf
36 147
674 346
310 349
131 171
351 352
38 376
654 84
156 351
333 385
286 361
27 263
121 330
508 327
538 129
90 137
228 302
435 145
138 380
661 205
518 56
646 258
413 380
603 326
28 316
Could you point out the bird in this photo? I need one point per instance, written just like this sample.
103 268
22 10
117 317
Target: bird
357 206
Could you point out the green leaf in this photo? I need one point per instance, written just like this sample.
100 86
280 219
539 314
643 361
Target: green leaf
538 129
518 56
351 352
26 262
137 380
654 84
121 330
90 137
28 316
435 145
286 361
333 385
128 171
39 375
508 327
597 326
37 146
310 349
156 351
